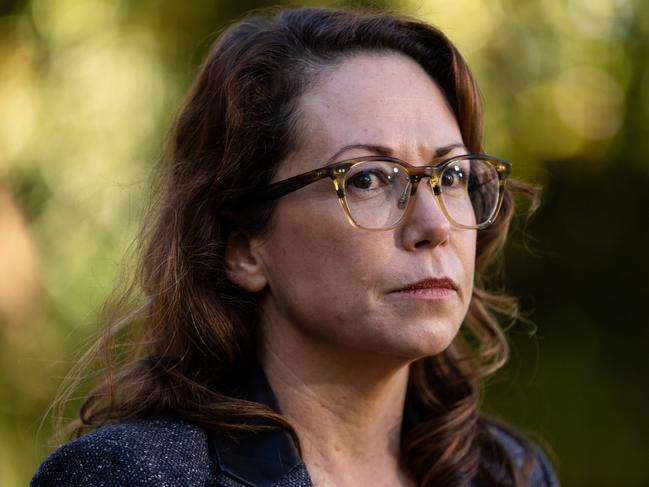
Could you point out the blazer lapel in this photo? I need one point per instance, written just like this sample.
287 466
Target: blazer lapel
262 458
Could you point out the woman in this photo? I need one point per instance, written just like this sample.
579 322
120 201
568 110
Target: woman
320 237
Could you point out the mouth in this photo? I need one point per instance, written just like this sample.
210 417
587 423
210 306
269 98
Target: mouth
430 288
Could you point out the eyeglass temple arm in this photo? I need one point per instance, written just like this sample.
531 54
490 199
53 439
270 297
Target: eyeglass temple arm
281 188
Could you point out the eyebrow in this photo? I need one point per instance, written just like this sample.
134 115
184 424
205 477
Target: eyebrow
382 150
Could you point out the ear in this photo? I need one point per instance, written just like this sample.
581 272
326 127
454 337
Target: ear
242 265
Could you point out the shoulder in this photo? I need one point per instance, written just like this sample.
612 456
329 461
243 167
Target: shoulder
133 453
520 450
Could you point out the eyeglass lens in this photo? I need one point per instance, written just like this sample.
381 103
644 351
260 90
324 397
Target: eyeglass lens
377 192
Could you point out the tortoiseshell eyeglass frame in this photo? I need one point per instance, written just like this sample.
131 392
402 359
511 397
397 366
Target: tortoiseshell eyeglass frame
338 170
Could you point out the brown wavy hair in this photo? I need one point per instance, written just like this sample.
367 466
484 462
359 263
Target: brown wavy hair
178 336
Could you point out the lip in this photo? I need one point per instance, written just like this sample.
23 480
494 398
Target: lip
429 288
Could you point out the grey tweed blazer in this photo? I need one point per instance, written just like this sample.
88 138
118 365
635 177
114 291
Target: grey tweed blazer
170 453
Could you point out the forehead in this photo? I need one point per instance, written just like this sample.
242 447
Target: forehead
373 98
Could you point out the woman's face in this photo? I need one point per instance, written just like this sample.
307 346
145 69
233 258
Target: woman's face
338 286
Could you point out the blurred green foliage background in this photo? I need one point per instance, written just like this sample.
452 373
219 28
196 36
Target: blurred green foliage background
89 88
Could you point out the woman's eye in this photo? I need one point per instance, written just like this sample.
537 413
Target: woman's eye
370 179
454 176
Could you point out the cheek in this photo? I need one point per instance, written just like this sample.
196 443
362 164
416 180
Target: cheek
466 253
469 251
302 252
313 235
321 268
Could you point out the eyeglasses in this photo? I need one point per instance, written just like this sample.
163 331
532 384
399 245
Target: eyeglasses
376 192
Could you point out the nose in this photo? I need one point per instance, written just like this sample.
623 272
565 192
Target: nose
425 225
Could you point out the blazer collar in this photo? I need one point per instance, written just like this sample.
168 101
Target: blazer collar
263 458
258 458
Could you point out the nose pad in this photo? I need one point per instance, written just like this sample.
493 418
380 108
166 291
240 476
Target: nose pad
410 191
426 225
432 184
405 195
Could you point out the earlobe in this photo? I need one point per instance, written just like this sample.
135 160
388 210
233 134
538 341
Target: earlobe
242 265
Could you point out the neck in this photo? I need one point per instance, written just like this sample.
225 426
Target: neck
347 410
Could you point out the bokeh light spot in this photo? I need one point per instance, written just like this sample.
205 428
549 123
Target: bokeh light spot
590 102
65 21
536 126
20 276
18 91
600 18
470 23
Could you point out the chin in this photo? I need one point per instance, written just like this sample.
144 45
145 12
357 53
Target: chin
405 353
431 341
